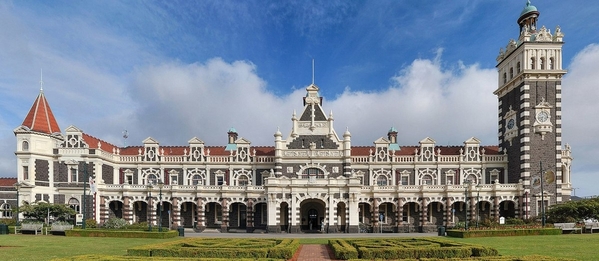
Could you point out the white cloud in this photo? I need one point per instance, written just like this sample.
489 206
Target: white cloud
580 110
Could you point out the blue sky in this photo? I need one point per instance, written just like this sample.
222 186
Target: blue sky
178 69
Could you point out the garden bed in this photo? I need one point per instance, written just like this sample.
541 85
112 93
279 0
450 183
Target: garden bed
503 232
119 233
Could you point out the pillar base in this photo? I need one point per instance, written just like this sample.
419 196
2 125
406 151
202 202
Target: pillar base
249 229
224 228
295 229
273 229
199 229
353 229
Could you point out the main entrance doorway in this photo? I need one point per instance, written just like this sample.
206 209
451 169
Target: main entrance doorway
313 215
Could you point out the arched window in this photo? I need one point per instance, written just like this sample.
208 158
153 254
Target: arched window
551 63
427 180
518 67
152 179
25 145
313 173
196 180
472 178
381 180
532 63
6 211
504 78
511 73
542 63
242 180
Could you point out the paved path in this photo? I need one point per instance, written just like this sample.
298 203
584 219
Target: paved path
314 253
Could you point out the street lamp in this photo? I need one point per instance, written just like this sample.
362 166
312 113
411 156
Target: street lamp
466 185
478 187
160 186
542 179
84 185
149 186
18 186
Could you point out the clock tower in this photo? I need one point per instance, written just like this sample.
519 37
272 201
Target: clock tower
529 127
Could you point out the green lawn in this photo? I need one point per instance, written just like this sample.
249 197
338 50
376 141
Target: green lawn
31 247
577 246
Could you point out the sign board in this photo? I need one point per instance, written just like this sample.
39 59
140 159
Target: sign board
502 221
79 219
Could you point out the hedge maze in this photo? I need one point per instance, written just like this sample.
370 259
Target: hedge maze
220 248
406 248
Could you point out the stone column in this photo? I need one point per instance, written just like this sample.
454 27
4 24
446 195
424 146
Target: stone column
127 210
104 211
374 216
151 211
249 213
496 209
399 215
176 213
424 213
200 218
225 224
448 214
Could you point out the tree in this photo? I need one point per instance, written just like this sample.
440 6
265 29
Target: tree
574 211
40 211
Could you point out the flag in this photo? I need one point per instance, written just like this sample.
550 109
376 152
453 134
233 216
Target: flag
92 186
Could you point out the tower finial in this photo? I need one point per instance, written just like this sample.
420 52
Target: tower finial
312 70
41 80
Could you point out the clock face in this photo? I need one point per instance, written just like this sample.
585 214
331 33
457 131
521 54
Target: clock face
510 124
542 116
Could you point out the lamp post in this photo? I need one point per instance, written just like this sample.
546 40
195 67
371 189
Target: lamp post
18 186
466 185
478 187
160 185
84 185
542 180
149 186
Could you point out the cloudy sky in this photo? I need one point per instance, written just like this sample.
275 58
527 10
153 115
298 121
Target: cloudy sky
174 70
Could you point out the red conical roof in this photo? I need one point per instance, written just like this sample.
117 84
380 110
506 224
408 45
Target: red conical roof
40 117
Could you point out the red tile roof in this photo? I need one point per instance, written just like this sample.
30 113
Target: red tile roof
40 117
92 142
7 182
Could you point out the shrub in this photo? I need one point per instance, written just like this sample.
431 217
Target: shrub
8 221
115 223
91 223
138 226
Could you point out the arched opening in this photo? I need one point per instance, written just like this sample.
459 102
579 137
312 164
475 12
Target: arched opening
188 214
196 180
238 216
152 179
312 213
427 180
115 209
214 215
166 209
341 215
458 212
284 216
140 212
381 180
507 209
483 211
243 180
313 173
25 146
260 215
411 216
435 213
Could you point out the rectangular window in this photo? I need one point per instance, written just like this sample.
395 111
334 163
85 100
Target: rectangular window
129 179
174 180
449 180
73 175
494 177
220 180
25 172
405 180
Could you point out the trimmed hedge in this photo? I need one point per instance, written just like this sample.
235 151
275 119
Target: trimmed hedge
119 233
406 248
503 232
140 258
219 248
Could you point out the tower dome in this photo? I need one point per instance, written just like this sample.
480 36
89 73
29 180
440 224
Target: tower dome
528 17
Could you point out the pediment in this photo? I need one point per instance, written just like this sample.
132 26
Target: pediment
427 140
242 141
22 128
72 128
472 140
195 140
382 140
150 140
